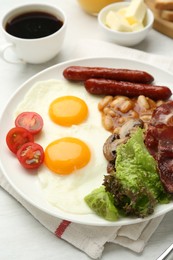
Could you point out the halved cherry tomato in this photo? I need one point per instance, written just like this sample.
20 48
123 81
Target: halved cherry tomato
31 121
18 136
30 155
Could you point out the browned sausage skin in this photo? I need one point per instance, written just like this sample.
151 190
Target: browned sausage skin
82 73
112 87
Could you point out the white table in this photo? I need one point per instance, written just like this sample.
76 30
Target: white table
21 236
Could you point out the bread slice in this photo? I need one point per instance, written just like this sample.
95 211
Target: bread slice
164 4
167 15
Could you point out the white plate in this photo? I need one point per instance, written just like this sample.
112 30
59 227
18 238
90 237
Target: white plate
27 185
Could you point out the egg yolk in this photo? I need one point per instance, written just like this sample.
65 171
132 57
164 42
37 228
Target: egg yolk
65 155
68 110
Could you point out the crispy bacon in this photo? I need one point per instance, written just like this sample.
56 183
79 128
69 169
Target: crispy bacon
163 114
165 163
155 134
159 142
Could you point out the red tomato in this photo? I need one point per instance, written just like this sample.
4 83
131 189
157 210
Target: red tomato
16 137
31 121
30 155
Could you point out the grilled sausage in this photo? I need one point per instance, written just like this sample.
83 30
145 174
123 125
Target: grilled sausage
112 87
81 73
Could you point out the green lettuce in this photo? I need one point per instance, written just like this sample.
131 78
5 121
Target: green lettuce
102 203
134 188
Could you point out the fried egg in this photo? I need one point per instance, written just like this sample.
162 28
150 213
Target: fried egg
68 110
73 138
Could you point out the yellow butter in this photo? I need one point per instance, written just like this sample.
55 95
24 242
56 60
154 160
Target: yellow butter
116 21
137 27
136 11
127 19
122 11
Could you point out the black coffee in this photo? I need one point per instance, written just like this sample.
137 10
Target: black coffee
33 25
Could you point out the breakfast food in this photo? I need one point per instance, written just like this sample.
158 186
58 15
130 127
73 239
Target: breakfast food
31 121
78 171
111 81
139 172
117 111
30 155
132 185
167 15
20 140
165 9
81 73
89 167
112 87
68 110
16 137
159 142
127 19
164 4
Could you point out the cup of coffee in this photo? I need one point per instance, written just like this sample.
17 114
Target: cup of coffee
35 33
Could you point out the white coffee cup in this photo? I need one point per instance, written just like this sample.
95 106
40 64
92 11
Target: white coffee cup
37 50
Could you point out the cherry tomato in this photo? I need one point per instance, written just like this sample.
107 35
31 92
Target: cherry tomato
31 121
16 137
30 155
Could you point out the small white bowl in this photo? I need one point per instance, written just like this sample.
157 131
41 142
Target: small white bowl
124 38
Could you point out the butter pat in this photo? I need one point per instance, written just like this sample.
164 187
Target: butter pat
127 19
136 11
122 11
117 22
137 26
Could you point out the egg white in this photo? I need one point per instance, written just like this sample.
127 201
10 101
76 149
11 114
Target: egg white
67 192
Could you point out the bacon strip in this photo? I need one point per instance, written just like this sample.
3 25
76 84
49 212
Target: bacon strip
159 141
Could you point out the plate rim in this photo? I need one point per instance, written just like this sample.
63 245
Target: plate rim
42 72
